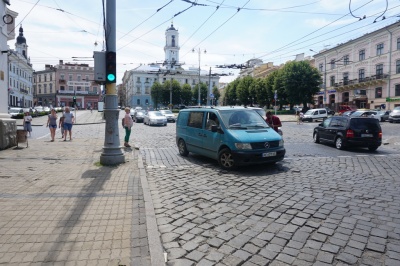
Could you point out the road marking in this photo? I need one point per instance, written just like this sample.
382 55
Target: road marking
45 136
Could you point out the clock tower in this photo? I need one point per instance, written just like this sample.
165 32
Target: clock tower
171 48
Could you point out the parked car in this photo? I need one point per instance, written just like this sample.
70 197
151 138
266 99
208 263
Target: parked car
348 131
395 115
16 112
138 116
345 108
315 114
347 113
372 114
329 111
169 115
384 115
232 136
46 109
154 118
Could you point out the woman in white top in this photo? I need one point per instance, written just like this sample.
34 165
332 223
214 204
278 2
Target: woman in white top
127 123
27 123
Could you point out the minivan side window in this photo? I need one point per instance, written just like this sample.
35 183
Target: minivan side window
196 119
322 111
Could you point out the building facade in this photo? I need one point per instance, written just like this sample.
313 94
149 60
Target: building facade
363 73
58 85
138 82
20 72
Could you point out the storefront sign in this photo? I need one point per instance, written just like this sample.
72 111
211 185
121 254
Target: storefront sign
331 91
392 99
78 83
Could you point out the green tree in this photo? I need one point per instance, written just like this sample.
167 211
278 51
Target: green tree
203 93
186 94
260 92
233 98
269 81
156 94
175 86
279 88
243 89
217 94
301 82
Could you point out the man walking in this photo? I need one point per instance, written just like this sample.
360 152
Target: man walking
68 121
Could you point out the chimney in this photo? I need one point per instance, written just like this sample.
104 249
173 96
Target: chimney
61 62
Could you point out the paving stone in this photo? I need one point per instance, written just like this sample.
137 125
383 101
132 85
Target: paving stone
319 237
266 236
259 260
306 257
239 241
181 262
215 242
252 249
356 244
232 260
279 241
379 233
175 253
347 258
205 262
244 255
214 256
375 247
285 258
226 249
392 262
325 257
291 251
195 255
268 254
189 246
330 248
326 231
377 240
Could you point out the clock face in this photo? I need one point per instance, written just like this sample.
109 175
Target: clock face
8 19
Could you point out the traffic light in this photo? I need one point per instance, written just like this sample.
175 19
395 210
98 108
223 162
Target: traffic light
111 67
74 100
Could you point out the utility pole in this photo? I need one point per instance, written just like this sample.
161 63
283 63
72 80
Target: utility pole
112 153
210 90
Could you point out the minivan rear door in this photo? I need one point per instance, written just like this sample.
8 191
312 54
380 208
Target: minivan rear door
365 128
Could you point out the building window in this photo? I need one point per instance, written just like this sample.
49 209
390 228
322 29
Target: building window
79 77
70 77
138 102
333 64
398 43
379 49
346 59
397 90
51 88
345 78
62 76
45 88
86 88
95 90
51 77
70 88
138 79
378 92
397 66
361 55
361 75
332 81
79 88
379 71
363 92
87 78
62 88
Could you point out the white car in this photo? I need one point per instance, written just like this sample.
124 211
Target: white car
373 114
15 111
169 115
154 118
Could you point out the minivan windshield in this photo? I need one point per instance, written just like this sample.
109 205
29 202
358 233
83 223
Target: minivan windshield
242 119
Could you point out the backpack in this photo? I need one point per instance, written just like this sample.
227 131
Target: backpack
123 121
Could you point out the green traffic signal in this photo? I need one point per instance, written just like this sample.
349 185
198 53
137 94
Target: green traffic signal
110 77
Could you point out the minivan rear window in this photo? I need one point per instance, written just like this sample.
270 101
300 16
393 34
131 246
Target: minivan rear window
365 123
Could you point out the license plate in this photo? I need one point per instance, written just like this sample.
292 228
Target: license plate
269 154
367 135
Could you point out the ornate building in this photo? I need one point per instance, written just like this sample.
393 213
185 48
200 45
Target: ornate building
20 73
138 82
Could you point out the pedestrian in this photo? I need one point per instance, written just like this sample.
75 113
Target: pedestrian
297 115
301 116
127 124
61 125
69 119
27 123
52 124
273 121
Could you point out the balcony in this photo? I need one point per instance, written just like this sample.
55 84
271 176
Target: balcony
61 81
362 82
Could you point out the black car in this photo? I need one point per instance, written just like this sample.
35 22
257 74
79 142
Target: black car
330 111
138 116
345 131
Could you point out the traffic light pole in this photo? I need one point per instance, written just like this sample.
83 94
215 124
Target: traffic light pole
112 153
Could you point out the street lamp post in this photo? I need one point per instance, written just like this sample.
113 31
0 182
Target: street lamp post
324 76
193 50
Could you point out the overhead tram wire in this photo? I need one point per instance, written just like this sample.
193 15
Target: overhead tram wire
216 9
238 9
25 16
146 19
281 48
177 14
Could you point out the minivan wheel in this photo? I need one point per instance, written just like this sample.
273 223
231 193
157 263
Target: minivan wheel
182 148
316 137
225 159
339 143
373 148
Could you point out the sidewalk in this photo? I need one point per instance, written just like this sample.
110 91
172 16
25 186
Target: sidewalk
59 206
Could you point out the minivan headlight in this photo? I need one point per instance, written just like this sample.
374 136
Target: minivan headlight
243 146
281 143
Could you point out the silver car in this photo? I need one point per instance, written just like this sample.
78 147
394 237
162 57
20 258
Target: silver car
395 115
169 115
154 118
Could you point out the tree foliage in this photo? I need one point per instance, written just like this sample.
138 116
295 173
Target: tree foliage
156 94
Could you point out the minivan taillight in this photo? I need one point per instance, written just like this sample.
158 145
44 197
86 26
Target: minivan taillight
349 133
380 134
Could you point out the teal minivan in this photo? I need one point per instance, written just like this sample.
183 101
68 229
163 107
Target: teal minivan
232 135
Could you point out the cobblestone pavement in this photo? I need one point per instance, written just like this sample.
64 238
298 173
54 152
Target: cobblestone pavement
310 210
59 206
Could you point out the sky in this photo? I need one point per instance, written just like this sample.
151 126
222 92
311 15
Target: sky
230 31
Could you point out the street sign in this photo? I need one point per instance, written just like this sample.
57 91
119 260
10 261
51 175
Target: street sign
211 96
